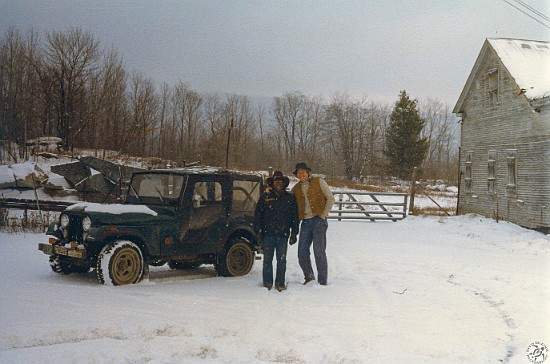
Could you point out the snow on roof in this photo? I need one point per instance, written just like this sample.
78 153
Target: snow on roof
115 209
6 174
22 170
201 170
528 62
44 140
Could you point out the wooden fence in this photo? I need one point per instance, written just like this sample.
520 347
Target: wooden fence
369 206
348 205
41 205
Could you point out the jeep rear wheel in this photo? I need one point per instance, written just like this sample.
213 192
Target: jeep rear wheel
120 263
237 260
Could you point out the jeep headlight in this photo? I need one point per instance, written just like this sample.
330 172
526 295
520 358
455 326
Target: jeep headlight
64 220
86 223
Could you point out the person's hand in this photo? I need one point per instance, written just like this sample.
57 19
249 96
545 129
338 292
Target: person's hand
293 239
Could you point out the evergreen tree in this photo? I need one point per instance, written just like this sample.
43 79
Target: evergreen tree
405 148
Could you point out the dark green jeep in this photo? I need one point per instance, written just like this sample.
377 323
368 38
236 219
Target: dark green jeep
184 217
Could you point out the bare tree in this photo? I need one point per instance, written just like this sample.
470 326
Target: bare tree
163 115
187 111
310 130
288 113
238 115
299 127
441 129
349 121
144 109
71 58
11 89
265 154
378 115
213 150
19 106
109 104
65 85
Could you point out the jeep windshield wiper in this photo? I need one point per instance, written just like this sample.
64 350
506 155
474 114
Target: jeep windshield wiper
159 193
134 190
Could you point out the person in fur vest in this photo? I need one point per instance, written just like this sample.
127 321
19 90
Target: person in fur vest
314 200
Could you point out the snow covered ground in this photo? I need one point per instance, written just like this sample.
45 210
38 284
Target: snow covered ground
423 290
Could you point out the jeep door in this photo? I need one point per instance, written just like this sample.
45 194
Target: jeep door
204 213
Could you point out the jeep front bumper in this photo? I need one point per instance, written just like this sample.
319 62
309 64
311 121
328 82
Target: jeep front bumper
48 249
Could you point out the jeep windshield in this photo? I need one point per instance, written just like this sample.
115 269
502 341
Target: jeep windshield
163 188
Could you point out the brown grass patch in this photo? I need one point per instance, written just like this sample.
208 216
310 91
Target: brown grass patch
433 211
343 184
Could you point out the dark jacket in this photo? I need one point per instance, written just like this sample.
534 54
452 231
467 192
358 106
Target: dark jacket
276 215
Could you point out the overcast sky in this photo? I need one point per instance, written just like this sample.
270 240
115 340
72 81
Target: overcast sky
372 48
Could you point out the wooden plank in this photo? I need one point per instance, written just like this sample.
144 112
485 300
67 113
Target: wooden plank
340 205
370 193
361 207
369 203
369 212
28 204
365 218
382 207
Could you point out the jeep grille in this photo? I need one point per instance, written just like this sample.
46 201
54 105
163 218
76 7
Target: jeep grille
75 228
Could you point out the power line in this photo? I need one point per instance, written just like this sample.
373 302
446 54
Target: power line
532 9
529 15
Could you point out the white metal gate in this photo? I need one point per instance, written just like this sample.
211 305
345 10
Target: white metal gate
369 206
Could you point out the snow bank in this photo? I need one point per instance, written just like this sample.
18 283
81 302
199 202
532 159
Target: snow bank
422 290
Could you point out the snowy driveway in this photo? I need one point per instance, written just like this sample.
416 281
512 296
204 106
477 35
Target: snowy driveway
422 290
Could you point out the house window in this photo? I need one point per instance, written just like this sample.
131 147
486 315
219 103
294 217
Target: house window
491 171
492 86
511 184
468 173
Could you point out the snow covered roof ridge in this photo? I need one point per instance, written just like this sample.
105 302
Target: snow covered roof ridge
528 62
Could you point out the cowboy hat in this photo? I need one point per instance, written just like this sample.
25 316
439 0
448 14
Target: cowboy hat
278 175
301 165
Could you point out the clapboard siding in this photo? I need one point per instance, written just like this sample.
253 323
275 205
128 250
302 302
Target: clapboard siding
511 124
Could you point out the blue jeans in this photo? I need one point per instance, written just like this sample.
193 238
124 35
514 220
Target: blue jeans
313 231
272 244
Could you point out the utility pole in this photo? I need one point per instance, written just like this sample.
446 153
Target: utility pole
227 147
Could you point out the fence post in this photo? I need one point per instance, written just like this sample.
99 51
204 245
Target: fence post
340 207
413 191
37 203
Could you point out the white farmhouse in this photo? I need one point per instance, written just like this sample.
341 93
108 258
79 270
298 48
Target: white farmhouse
505 134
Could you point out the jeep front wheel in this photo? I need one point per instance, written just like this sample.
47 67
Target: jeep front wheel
120 263
236 260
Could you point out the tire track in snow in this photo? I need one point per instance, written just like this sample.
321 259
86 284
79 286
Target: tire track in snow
78 336
487 298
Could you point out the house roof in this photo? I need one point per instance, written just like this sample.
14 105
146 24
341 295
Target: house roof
204 170
527 61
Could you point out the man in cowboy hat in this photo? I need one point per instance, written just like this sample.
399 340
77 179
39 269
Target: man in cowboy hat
315 201
276 219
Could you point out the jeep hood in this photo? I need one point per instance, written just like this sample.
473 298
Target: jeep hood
123 213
